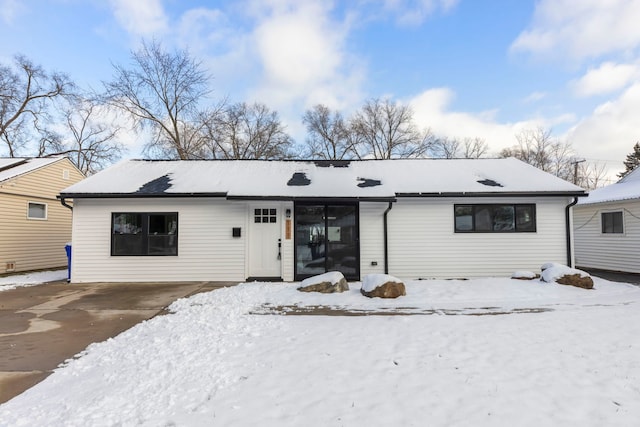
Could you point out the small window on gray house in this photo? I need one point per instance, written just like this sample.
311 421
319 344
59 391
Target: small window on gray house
612 222
37 210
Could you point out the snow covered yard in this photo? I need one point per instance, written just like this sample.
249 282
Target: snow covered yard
31 279
477 352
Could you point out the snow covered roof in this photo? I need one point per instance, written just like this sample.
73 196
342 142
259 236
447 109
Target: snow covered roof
367 179
623 190
12 167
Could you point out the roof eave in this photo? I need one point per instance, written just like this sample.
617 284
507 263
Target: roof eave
498 194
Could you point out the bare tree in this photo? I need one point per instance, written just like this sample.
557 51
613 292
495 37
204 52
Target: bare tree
591 175
89 140
538 148
27 95
474 148
162 90
245 131
328 135
385 130
445 148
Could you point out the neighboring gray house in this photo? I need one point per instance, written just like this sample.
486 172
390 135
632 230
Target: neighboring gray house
143 220
607 227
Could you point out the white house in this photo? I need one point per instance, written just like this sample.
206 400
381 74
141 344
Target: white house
607 227
144 220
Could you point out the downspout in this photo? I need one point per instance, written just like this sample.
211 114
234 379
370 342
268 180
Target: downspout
64 203
568 226
386 240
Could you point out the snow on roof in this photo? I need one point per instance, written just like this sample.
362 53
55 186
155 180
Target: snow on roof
293 179
12 167
613 193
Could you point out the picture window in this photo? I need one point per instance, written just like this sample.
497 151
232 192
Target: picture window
144 234
495 218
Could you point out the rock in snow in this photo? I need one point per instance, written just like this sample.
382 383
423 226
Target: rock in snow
326 283
552 272
524 275
382 286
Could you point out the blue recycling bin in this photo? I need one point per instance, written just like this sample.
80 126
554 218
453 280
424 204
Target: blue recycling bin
67 248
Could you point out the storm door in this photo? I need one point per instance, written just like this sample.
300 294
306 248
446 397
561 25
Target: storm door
326 238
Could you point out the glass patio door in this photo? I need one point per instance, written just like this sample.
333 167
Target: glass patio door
327 240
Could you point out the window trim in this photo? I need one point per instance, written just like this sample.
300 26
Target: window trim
145 232
515 206
35 218
602 213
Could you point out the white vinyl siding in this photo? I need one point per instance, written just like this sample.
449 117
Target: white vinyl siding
287 244
423 244
372 237
207 249
607 251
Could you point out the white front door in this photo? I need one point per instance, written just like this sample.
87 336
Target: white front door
265 240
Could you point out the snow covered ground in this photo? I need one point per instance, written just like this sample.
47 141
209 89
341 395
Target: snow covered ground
487 352
31 279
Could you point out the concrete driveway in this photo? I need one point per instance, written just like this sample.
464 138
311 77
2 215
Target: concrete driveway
42 326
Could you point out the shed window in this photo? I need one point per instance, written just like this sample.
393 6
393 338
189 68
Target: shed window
144 234
612 222
502 218
37 210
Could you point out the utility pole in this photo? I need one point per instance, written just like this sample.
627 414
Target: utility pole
575 170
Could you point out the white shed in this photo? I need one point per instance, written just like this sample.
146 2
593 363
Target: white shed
607 227
143 220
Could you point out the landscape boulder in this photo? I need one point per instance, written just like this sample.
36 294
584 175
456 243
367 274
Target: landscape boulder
553 272
584 282
326 283
524 275
382 286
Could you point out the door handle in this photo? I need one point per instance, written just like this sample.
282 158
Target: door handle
279 248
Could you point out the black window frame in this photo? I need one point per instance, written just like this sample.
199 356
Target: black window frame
493 207
144 235
606 225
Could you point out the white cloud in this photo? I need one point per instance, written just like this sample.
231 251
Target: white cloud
607 78
142 18
581 29
611 130
535 97
9 9
301 51
415 12
431 109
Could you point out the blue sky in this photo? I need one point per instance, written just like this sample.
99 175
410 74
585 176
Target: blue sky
469 68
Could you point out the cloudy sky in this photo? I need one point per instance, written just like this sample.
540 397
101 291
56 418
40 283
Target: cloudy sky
469 68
